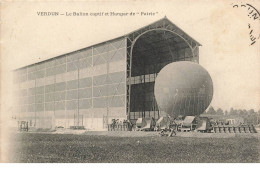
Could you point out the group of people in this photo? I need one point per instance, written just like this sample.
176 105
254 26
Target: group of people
170 126
115 123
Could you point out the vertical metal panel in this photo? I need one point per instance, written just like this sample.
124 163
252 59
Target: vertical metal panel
60 78
63 86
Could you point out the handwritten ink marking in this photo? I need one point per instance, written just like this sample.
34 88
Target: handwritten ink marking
254 14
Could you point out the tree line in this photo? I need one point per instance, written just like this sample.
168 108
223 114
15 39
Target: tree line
233 112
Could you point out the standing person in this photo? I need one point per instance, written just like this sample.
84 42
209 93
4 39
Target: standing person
173 127
130 125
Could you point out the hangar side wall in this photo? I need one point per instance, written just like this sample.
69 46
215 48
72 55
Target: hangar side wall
82 88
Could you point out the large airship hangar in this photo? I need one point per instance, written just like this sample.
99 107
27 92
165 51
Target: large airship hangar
110 80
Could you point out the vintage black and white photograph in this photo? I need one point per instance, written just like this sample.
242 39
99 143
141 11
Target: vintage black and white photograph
130 81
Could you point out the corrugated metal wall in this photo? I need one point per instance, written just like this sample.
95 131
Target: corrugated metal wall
86 88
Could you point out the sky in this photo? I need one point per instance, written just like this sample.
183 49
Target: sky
223 31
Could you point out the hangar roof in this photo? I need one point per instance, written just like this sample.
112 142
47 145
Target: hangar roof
162 23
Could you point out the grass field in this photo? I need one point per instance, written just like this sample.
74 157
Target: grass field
91 148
